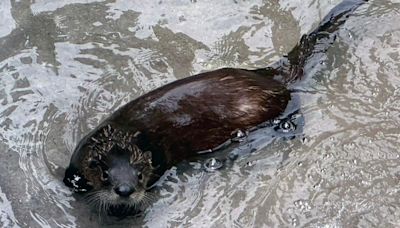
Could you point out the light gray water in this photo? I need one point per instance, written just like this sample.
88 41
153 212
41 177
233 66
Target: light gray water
67 64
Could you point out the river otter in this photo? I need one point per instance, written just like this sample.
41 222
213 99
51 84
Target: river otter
119 160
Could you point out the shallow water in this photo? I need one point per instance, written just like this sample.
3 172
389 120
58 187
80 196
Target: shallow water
65 65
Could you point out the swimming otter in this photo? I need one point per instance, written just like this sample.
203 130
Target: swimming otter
119 160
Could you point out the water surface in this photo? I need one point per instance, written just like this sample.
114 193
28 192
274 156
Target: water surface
66 65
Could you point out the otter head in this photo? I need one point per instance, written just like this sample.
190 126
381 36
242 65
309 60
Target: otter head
116 179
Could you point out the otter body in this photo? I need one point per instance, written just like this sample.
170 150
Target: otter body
201 112
118 161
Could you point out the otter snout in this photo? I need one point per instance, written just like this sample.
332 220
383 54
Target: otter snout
124 179
124 190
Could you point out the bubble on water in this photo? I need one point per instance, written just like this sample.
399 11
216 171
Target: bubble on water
213 164
295 222
287 126
300 164
250 163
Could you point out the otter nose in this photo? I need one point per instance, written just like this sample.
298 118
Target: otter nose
124 190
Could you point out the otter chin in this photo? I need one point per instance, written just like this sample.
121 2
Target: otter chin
117 163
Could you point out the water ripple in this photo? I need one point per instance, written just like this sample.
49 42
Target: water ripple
66 65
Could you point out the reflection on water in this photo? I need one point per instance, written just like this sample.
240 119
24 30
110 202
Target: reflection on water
65 65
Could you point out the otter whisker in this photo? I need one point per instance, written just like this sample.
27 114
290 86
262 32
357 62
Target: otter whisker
92 198
148 199
104 203
99 200
145 202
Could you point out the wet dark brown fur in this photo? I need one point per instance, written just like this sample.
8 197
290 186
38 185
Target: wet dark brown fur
200 112
119 160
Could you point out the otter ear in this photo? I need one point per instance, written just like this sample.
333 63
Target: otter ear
75 180
147 155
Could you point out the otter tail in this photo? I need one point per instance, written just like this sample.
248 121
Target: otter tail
317 41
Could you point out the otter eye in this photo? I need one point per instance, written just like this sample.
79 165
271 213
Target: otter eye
140 176
104 176
92 163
